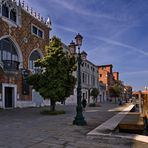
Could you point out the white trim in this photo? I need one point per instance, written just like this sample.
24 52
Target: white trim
14 93
25 104
17 47
38 28
10 22
38 50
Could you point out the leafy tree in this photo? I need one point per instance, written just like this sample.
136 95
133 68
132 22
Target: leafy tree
55 82
115 90
94 93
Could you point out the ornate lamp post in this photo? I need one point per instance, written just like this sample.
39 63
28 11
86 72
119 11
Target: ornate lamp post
79 119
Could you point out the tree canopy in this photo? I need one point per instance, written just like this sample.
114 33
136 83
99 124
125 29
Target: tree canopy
56 81
115 90
94 93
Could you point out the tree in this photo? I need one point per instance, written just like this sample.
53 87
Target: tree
94 93
56 81
115 91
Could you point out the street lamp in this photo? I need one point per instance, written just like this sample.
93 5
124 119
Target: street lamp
79 119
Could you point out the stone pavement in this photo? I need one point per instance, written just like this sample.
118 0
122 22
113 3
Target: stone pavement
26 128
111 123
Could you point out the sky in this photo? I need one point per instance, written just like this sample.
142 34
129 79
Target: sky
114 32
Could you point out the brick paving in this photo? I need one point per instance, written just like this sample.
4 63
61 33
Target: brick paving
26 128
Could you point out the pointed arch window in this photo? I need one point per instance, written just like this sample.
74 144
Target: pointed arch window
9 13
13 15
5 11
33 57
8 55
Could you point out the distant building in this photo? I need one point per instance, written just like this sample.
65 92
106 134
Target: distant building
143 94
127 92
89 79
109 78
23 36
116 76
102 92
106 76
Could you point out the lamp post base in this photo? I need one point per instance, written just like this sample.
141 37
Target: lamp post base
79 119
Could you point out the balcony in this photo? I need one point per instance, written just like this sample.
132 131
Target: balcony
9 65
36 70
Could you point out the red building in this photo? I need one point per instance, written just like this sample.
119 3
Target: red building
116 76
107 76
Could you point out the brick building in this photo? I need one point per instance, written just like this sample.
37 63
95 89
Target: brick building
107 76
116 76
23 36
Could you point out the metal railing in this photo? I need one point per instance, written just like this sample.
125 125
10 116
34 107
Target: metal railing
9 65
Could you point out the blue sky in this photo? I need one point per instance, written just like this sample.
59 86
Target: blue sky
115 32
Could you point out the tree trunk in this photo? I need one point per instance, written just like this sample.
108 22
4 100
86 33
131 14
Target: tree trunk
52 105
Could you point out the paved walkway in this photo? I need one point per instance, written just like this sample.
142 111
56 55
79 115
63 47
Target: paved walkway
26 128
107 128
112 123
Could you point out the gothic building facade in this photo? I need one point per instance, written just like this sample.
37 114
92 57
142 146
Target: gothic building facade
23 37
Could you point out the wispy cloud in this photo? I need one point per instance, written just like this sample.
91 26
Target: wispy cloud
86 12
65 28
113 42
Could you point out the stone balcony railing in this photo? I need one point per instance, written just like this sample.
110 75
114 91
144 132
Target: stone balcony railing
11 66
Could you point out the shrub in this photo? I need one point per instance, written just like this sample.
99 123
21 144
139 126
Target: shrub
49 112
92 105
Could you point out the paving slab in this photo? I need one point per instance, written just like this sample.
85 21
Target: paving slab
107 128
26 128
111 124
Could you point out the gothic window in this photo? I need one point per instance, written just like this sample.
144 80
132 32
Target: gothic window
9 13
8 50
13 15
8 54
34 56
5 11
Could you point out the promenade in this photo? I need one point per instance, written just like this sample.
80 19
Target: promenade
26 128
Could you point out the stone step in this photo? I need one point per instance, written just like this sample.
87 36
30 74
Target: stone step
132 122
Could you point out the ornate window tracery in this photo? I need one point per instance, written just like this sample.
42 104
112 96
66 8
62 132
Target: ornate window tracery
9 11
33 57
8 55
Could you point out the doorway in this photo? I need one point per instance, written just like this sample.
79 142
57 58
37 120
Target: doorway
9 99
9 95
